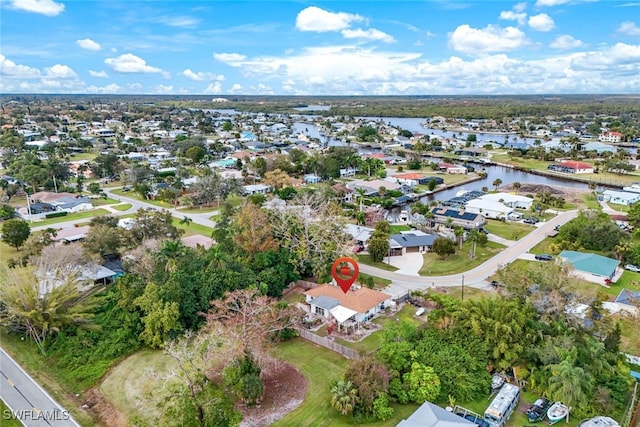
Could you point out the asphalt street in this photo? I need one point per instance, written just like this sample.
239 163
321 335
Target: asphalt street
27 401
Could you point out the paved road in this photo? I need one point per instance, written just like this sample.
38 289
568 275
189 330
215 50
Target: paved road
29 402
475 277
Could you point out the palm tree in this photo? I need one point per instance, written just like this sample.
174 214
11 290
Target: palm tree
361 192
497 183
474 237
517 186
186 221
343 396
459 232
170 253
41 306
569 383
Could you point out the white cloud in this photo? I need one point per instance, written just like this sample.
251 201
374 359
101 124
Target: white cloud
214 88
510 15
88 44
319 20
520 7
59 71
370 34
200 76
229 57
129 63
489 39
551 2
43 7
10 69
179 21
236 88
564 42
541 22
163 89
628 28
99 74
110 88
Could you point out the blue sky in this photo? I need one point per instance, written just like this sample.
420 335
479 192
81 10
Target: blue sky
320 48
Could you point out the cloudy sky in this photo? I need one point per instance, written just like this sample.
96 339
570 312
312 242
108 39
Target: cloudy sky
436 47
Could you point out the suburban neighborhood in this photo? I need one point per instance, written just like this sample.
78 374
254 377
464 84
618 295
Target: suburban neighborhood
194 241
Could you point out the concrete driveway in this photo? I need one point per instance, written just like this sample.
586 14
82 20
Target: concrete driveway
408 264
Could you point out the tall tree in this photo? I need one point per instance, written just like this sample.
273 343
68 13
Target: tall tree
15 232
343 396
252 231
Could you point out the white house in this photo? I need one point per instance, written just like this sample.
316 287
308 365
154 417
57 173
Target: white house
512 200
256 188
488 208
359 304
610 137
621 197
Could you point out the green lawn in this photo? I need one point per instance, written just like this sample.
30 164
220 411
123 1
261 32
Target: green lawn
83 156
26 354
379 282
12 422
192 228
198 210
459 262
374 341
129 385
396 229
542 247
320 367
134 195
102 202
591 201
366 259
619 208
509 230
70 217
122 207
7 252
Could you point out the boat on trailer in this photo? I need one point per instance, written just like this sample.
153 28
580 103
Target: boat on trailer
496 381
557 412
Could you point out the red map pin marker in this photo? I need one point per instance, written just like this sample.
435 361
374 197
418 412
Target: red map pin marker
343 274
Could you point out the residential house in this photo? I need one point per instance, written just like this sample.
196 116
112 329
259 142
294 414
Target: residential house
430 415
197 240
458 218
628 301
255 189
512 200
488 208
425 180
592 267
411 241
359 304
312 178
621 197
410 179
73 234
452 169
571 166
599 147
611 136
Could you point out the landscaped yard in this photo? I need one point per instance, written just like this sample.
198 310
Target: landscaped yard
320 367
102 202
192 228
379 282
509 230
136 196
122 207
459 262
70 217
396 229
366 259
6 421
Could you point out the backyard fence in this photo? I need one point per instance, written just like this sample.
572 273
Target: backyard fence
347 352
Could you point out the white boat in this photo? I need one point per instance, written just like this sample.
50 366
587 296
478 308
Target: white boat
557 412
496 381
420 311
599 422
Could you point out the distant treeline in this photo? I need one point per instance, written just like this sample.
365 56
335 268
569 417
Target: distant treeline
468 107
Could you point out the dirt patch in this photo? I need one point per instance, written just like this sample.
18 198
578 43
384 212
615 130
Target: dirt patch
284 390
95 402
569 193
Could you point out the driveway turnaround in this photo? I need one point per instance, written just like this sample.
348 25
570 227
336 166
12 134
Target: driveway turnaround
27 401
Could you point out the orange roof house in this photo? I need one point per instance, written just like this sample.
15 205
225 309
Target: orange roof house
360 302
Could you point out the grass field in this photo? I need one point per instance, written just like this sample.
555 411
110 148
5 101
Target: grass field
193 228
71 217
129 386
320 367
379 282
198 210
509 230
396 229
366 259
122 207
459 262
136 196
102 202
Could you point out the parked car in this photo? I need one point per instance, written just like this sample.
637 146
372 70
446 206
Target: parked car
531 220
358 248
543 257
632 267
